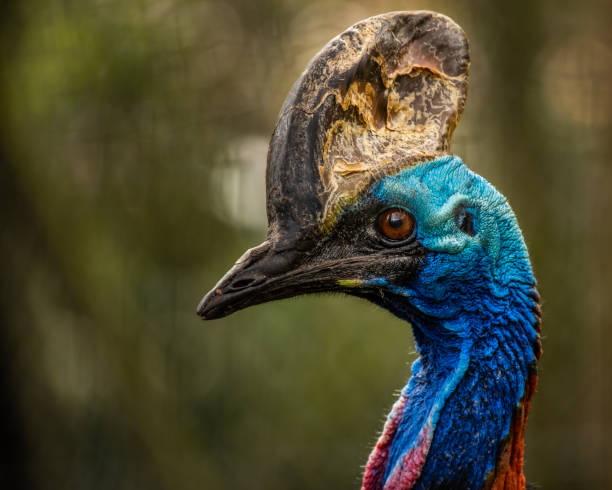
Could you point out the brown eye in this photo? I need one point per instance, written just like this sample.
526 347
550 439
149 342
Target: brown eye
396 224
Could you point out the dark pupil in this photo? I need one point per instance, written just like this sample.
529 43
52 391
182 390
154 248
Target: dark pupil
396 220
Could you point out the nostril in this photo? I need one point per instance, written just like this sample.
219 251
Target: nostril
243 283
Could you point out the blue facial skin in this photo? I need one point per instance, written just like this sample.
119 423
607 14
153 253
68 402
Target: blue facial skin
471 307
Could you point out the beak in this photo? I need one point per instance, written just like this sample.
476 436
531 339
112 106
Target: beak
271 272
247 283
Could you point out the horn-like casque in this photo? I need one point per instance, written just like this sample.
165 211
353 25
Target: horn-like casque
383 95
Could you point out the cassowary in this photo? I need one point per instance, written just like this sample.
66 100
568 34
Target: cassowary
364 198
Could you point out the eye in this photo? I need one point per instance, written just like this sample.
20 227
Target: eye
395 224
465 221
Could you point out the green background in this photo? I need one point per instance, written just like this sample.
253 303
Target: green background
133 137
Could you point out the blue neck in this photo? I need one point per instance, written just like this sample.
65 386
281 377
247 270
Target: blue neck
472 391
465 388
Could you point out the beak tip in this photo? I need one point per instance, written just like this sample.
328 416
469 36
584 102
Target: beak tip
201 309
208 309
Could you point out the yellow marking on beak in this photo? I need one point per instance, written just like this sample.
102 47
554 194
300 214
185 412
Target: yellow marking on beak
350 283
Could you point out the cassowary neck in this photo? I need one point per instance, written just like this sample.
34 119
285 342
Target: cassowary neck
459 422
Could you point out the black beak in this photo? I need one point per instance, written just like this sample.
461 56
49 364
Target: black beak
265 273
247 283
270 272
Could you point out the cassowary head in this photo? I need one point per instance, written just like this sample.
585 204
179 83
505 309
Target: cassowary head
377 101
364 198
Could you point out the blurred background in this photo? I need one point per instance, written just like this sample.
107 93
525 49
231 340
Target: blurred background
133 137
